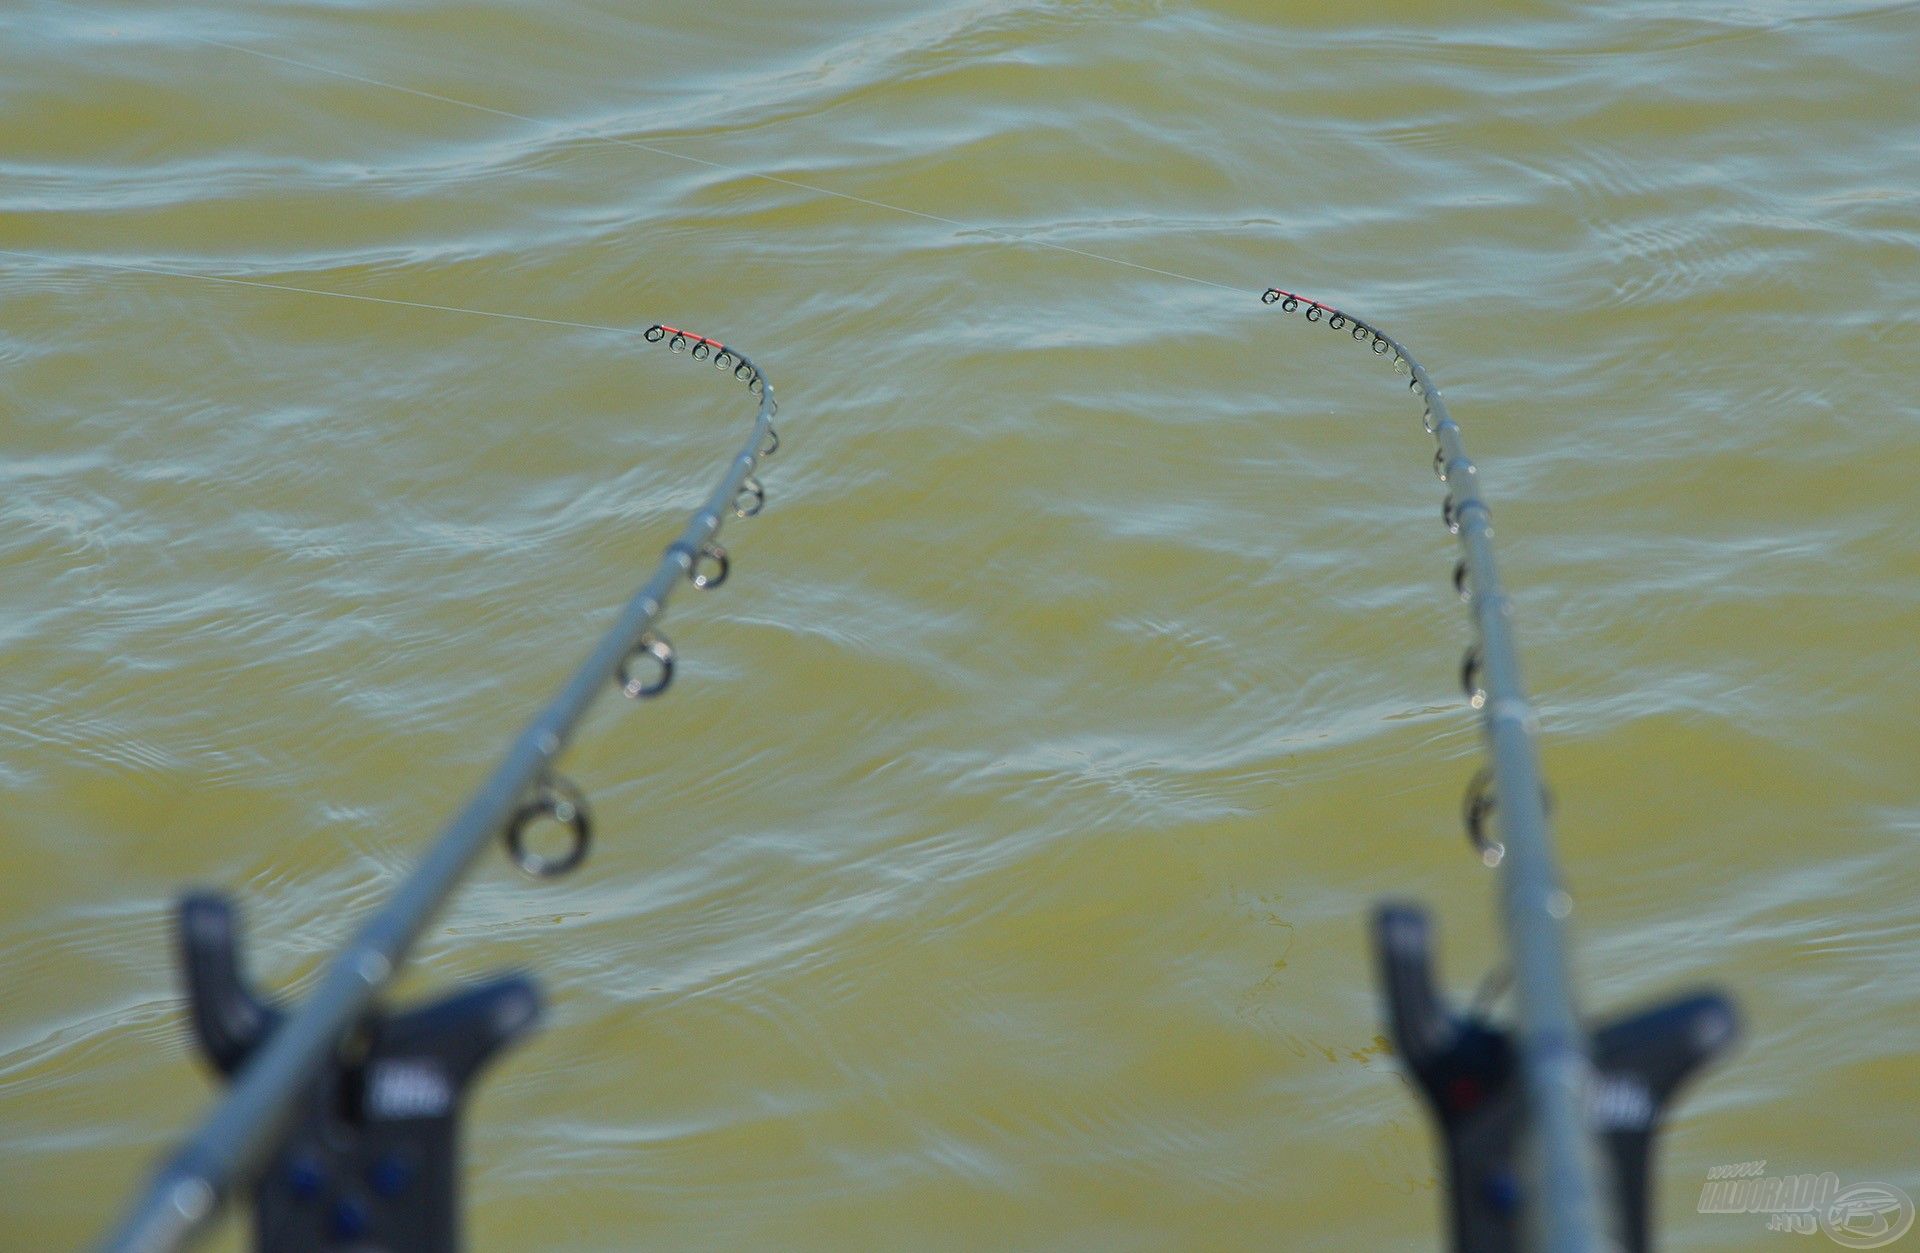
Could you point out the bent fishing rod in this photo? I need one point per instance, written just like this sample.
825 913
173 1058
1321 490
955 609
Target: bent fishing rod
342 1114
1547 1126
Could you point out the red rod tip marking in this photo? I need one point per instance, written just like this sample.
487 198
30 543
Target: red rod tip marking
689 335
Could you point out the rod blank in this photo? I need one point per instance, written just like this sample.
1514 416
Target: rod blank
1565 1207
190 1186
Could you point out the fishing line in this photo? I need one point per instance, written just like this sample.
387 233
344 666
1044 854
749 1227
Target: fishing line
1480 803
607 137
94 262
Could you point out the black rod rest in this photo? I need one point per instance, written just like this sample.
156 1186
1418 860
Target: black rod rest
370 1159
1465 1067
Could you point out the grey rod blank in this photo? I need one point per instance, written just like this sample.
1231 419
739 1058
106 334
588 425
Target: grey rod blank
1564 1209
188 1188
1564 1212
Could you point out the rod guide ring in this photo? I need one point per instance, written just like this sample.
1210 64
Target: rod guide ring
1470 677
1478 807
716 557
554 799
656 647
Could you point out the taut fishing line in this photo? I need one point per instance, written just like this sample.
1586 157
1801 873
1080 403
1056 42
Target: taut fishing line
609 137
129 268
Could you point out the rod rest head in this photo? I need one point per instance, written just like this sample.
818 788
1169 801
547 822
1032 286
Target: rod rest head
370 1160
1467 1069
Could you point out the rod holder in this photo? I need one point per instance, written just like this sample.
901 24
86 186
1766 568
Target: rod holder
370 1157
1467 1070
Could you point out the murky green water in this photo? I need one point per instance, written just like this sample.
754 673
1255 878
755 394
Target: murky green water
996 875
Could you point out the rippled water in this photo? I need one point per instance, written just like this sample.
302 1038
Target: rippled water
996 875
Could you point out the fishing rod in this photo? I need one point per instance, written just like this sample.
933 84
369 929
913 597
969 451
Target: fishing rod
1548 1127
342 1115
344 1118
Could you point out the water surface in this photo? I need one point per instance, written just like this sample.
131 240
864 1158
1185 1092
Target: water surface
996 874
